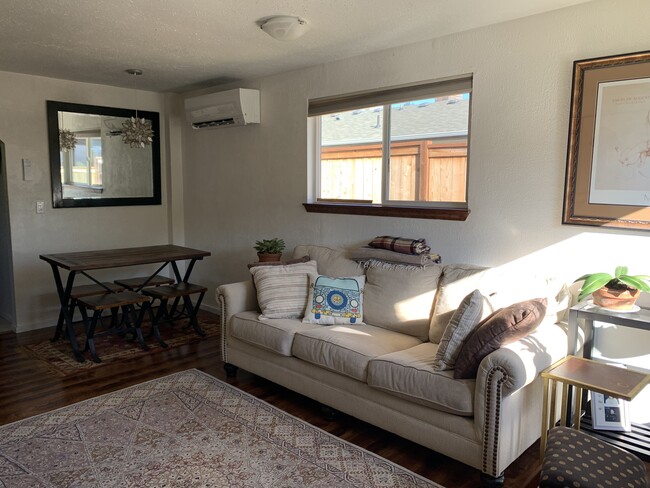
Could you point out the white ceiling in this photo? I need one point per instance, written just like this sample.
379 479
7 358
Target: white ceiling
187 44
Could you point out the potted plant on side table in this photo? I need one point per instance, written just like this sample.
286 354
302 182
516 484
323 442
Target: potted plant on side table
269 249
618 292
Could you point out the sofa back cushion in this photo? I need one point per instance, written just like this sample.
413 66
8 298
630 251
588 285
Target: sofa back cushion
503 285
400 298
331 261
456 282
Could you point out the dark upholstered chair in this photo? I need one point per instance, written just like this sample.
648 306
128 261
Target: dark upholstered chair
575 459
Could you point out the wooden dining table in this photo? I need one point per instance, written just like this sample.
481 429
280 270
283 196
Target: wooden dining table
83 262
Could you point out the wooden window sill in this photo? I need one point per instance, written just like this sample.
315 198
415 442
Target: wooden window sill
459 214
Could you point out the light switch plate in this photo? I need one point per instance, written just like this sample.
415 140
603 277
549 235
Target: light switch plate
28 172
40 207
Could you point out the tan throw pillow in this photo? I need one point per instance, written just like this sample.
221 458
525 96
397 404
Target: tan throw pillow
503 327
466 317
282 290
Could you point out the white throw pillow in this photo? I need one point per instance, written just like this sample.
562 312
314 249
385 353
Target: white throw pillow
335 300
282 290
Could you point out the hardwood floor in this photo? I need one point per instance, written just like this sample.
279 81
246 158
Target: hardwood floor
27 388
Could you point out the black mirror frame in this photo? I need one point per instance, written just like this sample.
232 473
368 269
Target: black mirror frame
53 108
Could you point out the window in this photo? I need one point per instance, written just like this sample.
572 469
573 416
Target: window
402 147
83 166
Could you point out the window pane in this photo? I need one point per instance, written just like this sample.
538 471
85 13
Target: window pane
96 161
80 162
428 149
350 157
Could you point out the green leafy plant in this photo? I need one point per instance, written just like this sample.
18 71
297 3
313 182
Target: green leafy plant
620 281
270 246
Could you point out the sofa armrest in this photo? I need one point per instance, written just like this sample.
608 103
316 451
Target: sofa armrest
523 360
234 298
507 399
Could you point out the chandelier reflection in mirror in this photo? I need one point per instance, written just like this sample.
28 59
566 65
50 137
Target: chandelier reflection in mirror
67 140
136 131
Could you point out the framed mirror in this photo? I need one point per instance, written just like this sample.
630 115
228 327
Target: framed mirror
93 164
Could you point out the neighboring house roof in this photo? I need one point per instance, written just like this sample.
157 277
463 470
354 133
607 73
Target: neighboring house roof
434 118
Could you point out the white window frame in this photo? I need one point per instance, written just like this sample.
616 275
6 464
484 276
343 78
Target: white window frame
386 97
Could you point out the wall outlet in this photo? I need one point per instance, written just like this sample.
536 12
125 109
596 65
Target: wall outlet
40 207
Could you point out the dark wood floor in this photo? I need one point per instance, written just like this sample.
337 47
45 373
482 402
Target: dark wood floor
27 388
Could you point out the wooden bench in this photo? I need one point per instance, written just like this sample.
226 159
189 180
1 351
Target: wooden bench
131 322
80 292
136 284
176 292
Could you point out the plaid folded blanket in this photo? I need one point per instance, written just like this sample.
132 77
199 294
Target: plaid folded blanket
400 244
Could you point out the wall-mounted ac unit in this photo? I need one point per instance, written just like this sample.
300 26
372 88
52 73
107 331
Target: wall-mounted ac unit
228 108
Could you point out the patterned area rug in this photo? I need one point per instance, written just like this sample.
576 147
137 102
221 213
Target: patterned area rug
185 430
59 359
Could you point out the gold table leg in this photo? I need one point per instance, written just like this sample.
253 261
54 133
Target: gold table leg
546 420
577 408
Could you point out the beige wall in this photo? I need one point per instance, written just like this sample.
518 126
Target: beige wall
223 189
246 183
23 129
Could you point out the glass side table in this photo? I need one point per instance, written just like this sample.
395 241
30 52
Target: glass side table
590 313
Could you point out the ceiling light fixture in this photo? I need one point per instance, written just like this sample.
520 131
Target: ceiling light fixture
284 27
136 132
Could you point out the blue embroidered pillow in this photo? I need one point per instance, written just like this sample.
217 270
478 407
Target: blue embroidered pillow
335 300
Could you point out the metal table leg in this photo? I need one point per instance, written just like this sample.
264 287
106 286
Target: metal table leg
64 299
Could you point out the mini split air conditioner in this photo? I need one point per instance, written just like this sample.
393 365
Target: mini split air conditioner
229 108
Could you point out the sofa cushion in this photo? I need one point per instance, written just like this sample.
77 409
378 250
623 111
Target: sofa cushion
303 259
282 290
331 261
335 300
503 327
273 334
456 282
504 285
346 349
400 298
410 374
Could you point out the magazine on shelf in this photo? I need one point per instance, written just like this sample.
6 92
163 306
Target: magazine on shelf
610 413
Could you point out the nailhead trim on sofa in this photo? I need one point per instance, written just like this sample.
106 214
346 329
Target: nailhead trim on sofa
488 407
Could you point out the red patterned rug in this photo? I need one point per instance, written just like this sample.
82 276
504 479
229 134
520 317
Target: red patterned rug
185 430
111 348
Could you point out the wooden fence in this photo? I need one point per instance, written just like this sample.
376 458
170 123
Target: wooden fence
354 172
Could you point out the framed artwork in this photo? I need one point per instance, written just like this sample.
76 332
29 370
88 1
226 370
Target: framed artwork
610 413
608 157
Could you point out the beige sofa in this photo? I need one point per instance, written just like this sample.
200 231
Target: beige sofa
382 372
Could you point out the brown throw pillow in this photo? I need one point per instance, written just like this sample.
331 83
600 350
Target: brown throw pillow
503 327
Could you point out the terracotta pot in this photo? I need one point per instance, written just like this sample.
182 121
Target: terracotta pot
615 299
266 257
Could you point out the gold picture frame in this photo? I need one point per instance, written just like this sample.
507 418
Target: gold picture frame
608 157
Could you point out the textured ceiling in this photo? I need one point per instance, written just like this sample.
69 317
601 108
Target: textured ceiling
187 44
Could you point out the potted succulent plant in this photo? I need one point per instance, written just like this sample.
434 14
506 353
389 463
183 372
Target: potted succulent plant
269 249
618 292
